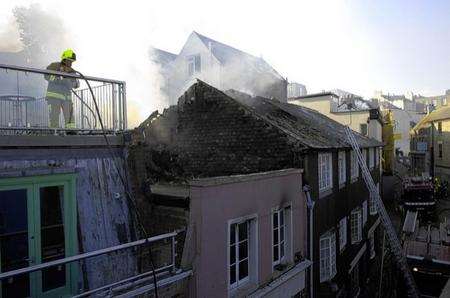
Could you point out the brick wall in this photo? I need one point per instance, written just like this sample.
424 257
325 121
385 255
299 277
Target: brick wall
211 134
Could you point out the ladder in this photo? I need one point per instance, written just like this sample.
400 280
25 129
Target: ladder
392 238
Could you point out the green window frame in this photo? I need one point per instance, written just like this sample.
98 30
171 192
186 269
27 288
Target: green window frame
32 185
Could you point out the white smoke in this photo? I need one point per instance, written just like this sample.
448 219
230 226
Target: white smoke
10 37
43 33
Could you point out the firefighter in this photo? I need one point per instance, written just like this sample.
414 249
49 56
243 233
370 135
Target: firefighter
59 96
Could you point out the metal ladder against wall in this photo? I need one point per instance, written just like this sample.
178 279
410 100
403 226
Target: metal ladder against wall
392 238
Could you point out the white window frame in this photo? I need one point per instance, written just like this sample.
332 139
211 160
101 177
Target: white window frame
192 63
354 276
356 225
354 167
280 230
372 204
377 156
327 248
364 154
372 245
364 214
371 158
342 233
238 282
342 164
325 166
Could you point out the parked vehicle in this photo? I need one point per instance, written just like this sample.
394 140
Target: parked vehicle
418 194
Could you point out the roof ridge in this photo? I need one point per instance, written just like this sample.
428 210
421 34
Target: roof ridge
223 44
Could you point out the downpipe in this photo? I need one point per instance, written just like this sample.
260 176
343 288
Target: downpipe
310 204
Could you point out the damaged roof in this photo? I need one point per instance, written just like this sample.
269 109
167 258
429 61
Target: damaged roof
309 127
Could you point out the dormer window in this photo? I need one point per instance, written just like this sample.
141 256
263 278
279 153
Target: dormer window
194 64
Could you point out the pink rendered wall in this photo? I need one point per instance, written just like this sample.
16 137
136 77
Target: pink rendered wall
213 206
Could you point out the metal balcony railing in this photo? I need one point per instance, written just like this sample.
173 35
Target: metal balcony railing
24 108
137 282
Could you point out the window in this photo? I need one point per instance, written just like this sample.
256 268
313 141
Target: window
239 253
363 129
364 155
278 236
364 215
342 233
193 64
355 225
377 156
342 167
372 203
327 256
371 158
354 278
372 245
440 127
354 168
440 149
38 222
325 171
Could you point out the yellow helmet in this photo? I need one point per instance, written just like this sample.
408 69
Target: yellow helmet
69 55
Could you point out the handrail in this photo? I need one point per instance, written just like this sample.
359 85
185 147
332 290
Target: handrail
58 73
85 255
109 94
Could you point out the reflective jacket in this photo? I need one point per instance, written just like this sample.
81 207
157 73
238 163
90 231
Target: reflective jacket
59 87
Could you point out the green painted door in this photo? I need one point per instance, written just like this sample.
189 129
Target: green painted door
38 225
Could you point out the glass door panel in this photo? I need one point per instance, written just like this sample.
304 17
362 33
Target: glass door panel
52 244
14 241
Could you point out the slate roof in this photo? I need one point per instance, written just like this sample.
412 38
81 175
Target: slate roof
227 54
387 105
161 57
309 127
395 97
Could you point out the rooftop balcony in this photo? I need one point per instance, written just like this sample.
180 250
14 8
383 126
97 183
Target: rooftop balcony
25 110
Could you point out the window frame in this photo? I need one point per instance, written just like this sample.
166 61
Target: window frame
354 279
327 256
33 184
342 233
325 171
372 252
364 213
372 204
193 64
356 234
342 167
281 258
354 166
371 158
377 156
238 282
361 125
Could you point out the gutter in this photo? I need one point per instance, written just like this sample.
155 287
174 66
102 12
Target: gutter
310 204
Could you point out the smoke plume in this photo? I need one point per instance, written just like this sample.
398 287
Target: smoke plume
39 35
10 37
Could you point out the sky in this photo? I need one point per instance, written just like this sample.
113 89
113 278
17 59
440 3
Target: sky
358 46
